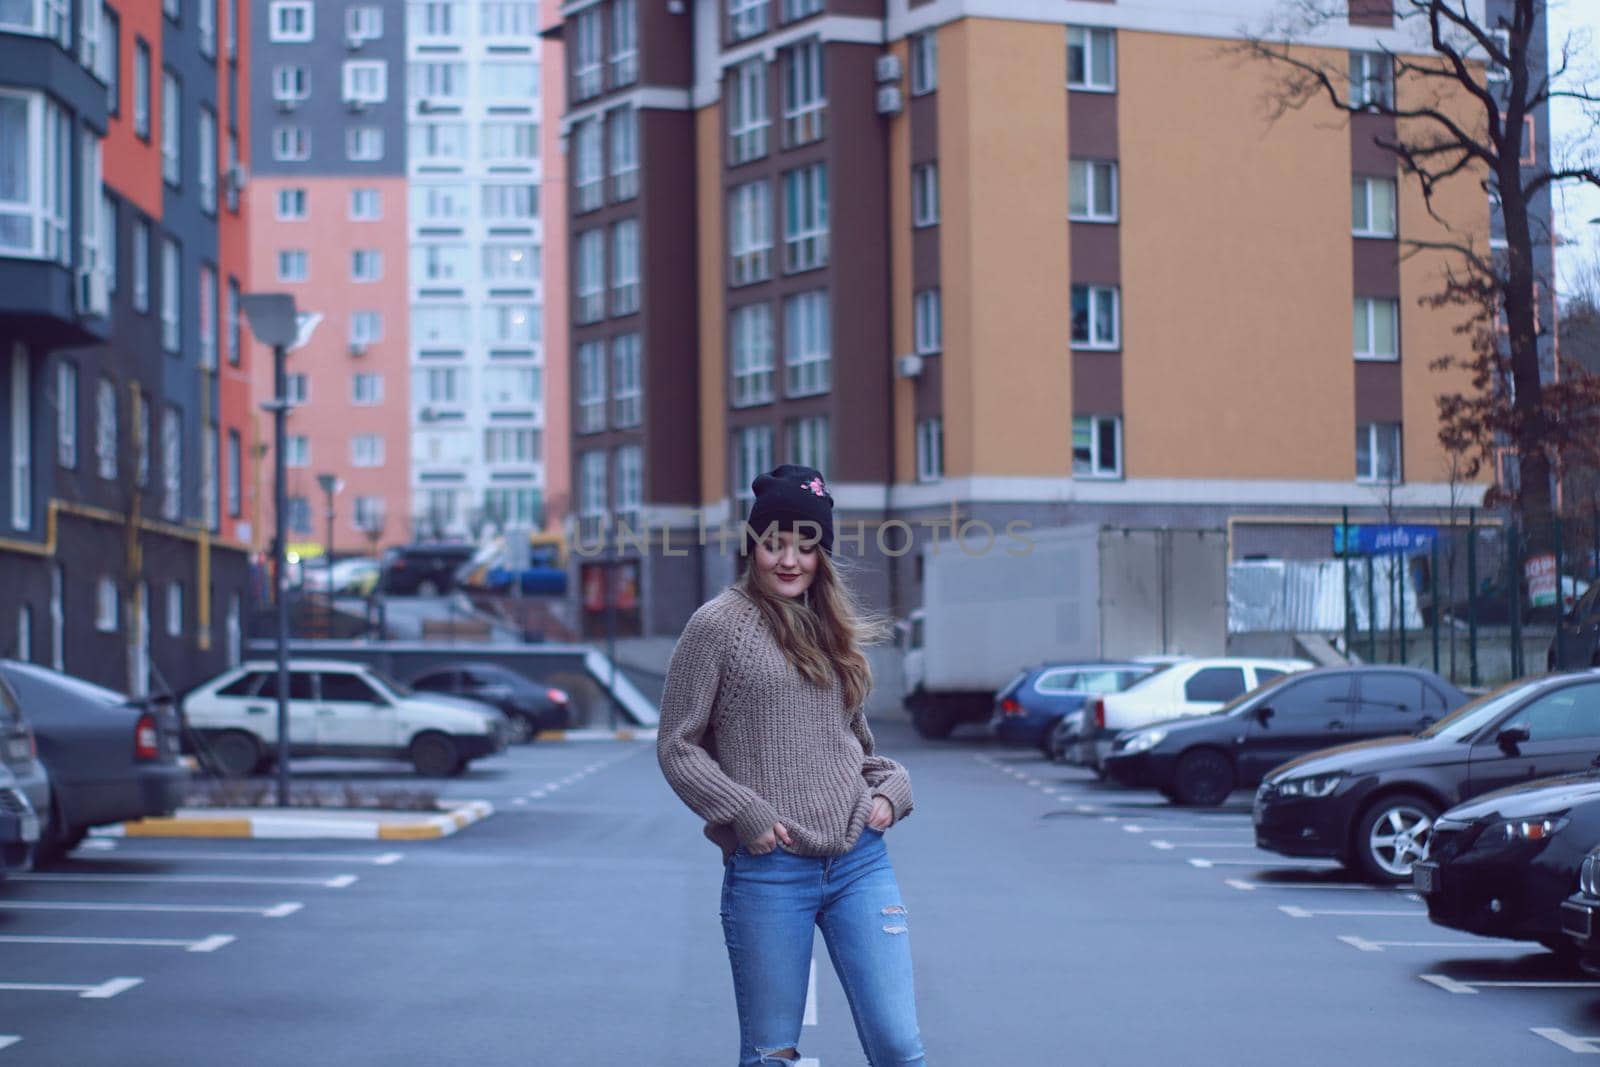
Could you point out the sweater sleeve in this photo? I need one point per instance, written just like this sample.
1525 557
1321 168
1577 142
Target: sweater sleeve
884 776
693 678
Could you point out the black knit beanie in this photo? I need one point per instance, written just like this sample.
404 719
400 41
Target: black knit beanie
790 494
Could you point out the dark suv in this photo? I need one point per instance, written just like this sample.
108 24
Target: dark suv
423 569
1576 644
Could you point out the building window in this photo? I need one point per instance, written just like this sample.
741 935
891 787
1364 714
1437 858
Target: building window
625 267
36 149
438 264
591 387
436 325
91 192
924 62
629 460
929 322
517 387
366 205
1372 207
294 265
804 99
21 440
514 263
290 21
141 265
588 175
794 10
749 233
296 448
233 490
511 142
110 69
746 18
366 327
170 8
293 205
752 455
445 204
1092 190
67 414
925 194
365 81
623 124
805 218
590 289
806 443
207 25
1091 59
298 519
930 449
511 324
171 464
291 144
105 605
366 450
627 386
366 390
143 439
510 203
624 43
439 142
586 54
174 609
1097 446
363 23
592 497
297 389
141 89
368 515
807 344
108 234
291 83
1378 452
366 265
432 81
208 477
441 18
747 112
439 385
502 446
1377 328
232 325
1371 80
90 40
514 82
208 317
171 131
106 445
171 296
363 144
750 340
1096 317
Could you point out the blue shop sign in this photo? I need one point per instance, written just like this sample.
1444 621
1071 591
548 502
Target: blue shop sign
1383 540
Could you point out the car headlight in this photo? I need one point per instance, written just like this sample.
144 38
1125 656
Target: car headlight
1317 786
1144 740
1535 829
1589 874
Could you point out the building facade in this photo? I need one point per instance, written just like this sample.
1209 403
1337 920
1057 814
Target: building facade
991 263
121 222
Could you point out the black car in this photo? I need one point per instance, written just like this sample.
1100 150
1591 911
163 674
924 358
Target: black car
110 759
1199 760
423 569
1580 913
19 824
1371 805
528 705
1576 642
1502 865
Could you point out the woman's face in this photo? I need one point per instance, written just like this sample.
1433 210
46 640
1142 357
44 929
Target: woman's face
784 566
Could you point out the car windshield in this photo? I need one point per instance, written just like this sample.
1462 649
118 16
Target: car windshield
1468 719
394 685
1249 696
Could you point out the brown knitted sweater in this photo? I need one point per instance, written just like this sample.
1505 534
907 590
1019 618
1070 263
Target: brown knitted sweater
747 742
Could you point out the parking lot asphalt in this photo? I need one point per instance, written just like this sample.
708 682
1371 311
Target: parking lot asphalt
1055 920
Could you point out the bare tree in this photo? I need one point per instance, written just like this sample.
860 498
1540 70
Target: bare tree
1452 123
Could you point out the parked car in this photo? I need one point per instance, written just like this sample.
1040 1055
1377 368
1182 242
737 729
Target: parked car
1372 804
1200 760
1188 687
19 825
336 709
1580 913
109 758
1027 709
1576 642
351 577
1064 736
423 569
528 706
19 753
1503 864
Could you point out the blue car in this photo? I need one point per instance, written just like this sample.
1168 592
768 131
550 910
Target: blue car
1027 710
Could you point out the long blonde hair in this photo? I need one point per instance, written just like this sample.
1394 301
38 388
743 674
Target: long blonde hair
823 632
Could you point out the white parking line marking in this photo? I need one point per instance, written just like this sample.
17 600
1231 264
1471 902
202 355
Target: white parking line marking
210 944
1086 809
811 996
1449 985
1208 844
1133 828
103 991
537 794
1294 911
388 859
1164 846
1583 1046
808 1061
7 1040
276 912
340 882
1318 865
1363 945
130 851
1110 818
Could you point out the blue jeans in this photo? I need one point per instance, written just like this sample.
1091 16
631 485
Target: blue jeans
771 904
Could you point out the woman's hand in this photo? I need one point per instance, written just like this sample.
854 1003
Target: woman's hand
769 840
882 814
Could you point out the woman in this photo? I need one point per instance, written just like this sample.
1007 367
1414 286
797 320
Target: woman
762 734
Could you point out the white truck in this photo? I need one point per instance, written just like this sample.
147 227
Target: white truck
1033 596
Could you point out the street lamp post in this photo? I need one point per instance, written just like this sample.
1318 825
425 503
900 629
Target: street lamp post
274 321
330 484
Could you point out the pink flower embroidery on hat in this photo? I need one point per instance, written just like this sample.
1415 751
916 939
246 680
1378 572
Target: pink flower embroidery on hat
816 486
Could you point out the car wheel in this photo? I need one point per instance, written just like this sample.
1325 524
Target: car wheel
1392 834
434 755
1203 778
233 754
58 838
427 587
522 729
932 723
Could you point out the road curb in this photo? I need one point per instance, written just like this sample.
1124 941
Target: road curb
308 823
623 734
